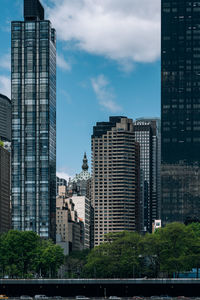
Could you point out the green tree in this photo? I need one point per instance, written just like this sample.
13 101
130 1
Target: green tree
49 258
75 263
195 228
3 256
117 257
150 248
24 254
175 246
194 247
20 249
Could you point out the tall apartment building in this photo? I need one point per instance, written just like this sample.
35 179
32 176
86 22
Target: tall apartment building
5 118
34 122
147 134
5 223
180 128
115 177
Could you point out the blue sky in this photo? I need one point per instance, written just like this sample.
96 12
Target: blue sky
108 64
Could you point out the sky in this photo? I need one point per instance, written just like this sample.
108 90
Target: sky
108 63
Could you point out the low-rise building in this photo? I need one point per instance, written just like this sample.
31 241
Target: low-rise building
79 189
155 225
83 208
60 182
68 225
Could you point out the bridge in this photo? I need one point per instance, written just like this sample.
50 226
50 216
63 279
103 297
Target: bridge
100 287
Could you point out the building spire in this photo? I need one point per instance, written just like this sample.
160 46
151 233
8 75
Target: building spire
85 163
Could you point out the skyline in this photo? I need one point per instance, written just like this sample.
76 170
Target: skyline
93 83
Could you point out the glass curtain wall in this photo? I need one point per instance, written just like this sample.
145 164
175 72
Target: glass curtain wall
34 127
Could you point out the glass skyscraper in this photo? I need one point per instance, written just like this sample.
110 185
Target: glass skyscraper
5 118
147 134
34 122
180 110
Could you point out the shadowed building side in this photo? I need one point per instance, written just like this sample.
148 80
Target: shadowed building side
5 221
180 108
5 118
147 134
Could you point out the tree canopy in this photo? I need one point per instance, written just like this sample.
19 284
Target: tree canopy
23 254
169 251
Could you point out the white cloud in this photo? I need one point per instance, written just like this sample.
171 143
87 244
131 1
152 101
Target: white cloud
104 93
61 63
5 61
66 96
127 30
5 88
64 175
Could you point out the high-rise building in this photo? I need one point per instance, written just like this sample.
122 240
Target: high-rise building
34 122
147 134
5 139
5 118
5 223
115 177
180 126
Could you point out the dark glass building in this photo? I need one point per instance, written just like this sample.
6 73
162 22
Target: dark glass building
180 110
34 122
147 134
5 118
5 223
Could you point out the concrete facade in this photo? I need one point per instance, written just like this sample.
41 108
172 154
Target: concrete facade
68 225
115 177
83 208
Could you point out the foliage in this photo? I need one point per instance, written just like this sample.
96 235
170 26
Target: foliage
170 250
118 257
176 242
23 254
50 258
150 250
75 262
